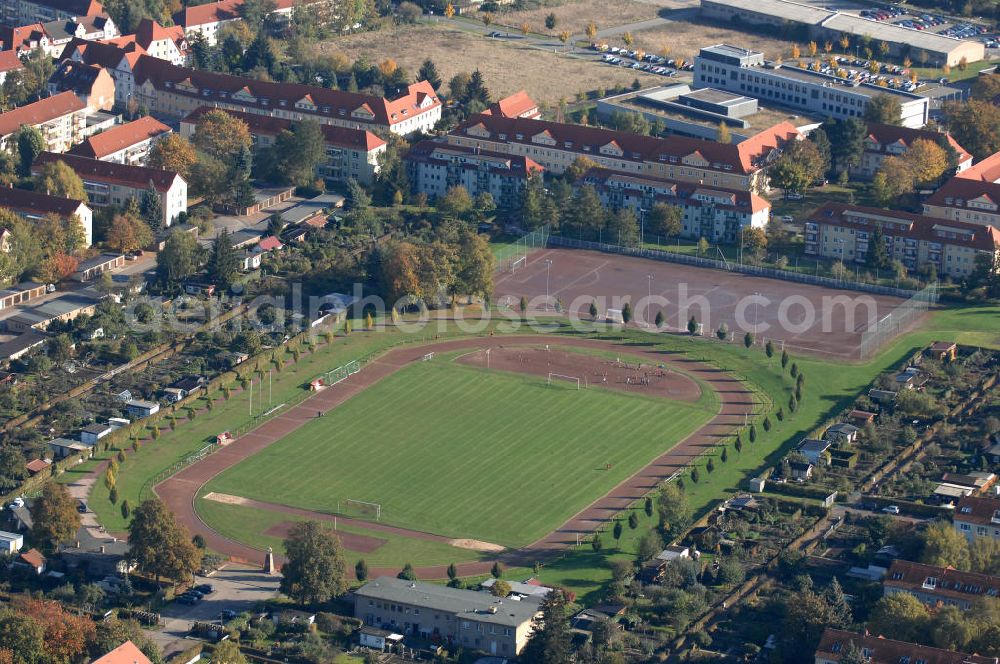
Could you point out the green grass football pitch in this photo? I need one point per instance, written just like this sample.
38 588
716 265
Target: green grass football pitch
462 452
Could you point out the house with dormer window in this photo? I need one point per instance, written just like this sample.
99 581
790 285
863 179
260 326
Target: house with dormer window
977 518
883 141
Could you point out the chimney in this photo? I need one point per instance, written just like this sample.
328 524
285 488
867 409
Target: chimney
102 548
78 544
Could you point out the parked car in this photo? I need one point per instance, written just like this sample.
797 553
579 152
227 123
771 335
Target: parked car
81 507
891 509
204 588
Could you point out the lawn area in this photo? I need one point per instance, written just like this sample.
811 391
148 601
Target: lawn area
457 451
250 524
189 437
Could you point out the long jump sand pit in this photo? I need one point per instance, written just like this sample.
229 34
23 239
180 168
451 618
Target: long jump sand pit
802 318
627 375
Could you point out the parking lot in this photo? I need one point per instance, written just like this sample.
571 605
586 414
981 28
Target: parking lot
235 588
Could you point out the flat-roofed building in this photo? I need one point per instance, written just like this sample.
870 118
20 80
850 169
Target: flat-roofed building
842 232
747 72
824 24
64 308
471 619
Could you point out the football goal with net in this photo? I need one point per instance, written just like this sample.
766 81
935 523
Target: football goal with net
360 508
561 378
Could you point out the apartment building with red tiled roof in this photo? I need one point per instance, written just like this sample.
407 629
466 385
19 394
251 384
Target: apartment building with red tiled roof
168 44
883 141
713 213
936 586
435 167
9 62
209 19
517 105
350 153
555 146
119 61
37 205
174 92
877 650
22 12
986 170
977 517
966 199
91 83
59 119
108 183
126 653
842 232
127 143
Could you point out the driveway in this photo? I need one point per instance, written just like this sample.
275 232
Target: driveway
237 588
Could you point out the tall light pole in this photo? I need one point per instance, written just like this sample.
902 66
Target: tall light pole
649 294
755 303
548 264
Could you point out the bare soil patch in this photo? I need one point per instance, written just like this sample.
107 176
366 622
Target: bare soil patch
476 545
508 65
226 499
352 541
593 372
574 16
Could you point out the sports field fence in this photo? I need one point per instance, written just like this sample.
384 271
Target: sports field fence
515 255
889 326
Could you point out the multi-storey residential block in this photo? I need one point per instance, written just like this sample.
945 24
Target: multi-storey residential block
973 201
119 61
350 153
977 518
174 92
51 38
168 44
91 83
741 70
718 215
875 649
108 183
471 619
885 141
59 119
987 170
23 12
124 144
208 20
517 105
842 232
434 168
34 205
555 146
936 586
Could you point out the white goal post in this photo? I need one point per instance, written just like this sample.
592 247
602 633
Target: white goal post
568 379
518 262
360 508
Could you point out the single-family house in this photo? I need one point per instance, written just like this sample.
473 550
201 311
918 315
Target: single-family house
11 542
977 517
861 417
251 261
937 586
268 244
842 433
90 434
814 450
139 409
64 447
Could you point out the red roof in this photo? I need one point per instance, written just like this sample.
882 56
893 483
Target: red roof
214 12
120 137
685 192
126 653
981 511
958 191
834 642
738 158
516 105
270 243
74 7
885 135
909 225
37 203
987 170
136 177
37 465
24 37
943 582
268 96
33 557
9 61
40 111
105 54
517 166
358 139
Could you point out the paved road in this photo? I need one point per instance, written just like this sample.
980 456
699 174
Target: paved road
180 491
